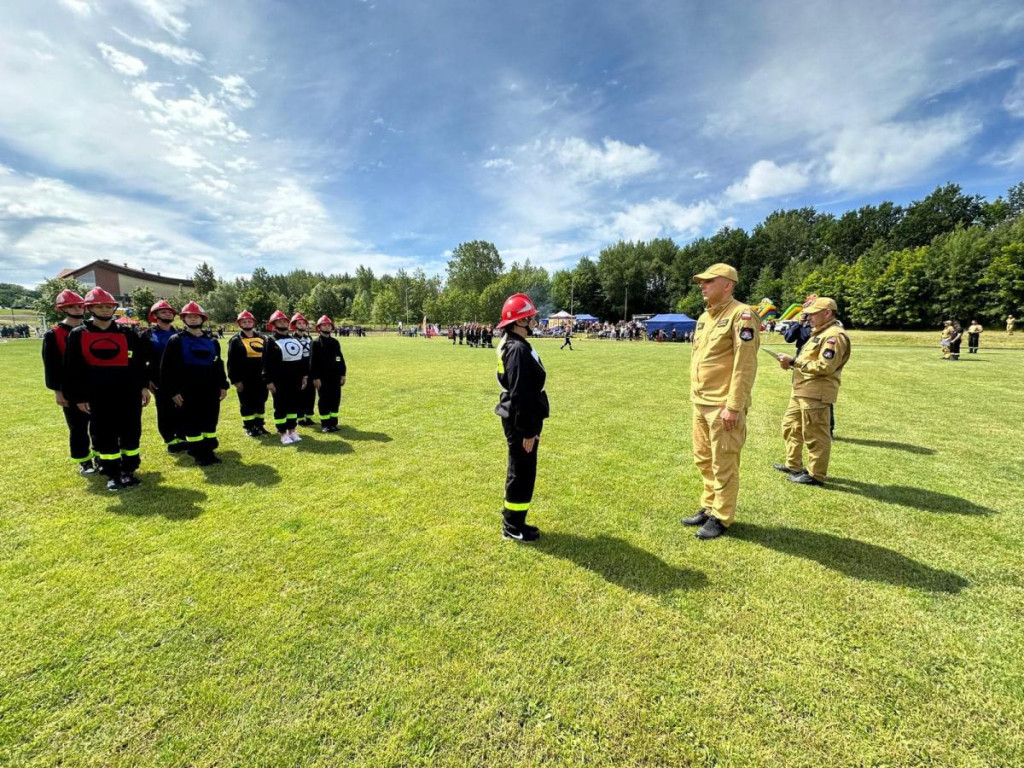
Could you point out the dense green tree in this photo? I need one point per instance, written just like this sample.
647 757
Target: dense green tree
1004 283
474 265
324 299
386 307
12 295
204 279
942 211
257 300
362 307
220 303
142 298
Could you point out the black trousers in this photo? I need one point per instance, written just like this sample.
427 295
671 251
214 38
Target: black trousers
972 342
522 470
168 419
252 403
286 403
116 427
567 342
307 399
200 411
954 350
78 434
330 401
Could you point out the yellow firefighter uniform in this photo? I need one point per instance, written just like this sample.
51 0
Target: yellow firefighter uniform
723 367
817 373
947 334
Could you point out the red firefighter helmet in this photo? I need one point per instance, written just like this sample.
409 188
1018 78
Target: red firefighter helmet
193 308
66 297
162 304
518 306
323 319
295 318
278 315
99 296
245 314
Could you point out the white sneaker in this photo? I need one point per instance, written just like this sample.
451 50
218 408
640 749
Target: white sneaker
286 438
295 437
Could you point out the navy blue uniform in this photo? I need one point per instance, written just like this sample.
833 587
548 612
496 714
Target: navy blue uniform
193 368
168 423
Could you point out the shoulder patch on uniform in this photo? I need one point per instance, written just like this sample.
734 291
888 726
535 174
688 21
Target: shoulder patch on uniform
723 323
745 316
746 334
700 326
828 354
830 341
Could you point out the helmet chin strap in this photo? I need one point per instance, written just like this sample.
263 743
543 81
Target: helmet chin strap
195 325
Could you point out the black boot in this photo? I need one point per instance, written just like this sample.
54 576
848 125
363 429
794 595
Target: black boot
514 527
699 518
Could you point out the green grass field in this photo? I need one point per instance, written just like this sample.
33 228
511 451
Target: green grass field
350 601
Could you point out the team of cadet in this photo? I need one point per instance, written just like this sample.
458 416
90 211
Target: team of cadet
474 334
104 374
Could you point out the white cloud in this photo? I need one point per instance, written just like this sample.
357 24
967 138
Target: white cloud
197 114
1012 157
236 91
79 7
1013 102
291 215
174 53
701 175
122 62
612 161
499 164
660 218
167 14
766 179
890 155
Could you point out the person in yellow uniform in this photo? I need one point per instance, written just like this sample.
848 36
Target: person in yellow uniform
817 372
1011 324
723 366
947 335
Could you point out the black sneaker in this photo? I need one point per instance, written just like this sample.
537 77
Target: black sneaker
787 470
206 459
177 447
804 478
307 422
113 484
519 534
86 468
699 518
712 529
252 432
129 480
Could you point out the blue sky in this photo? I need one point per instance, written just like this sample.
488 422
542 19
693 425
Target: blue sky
324 135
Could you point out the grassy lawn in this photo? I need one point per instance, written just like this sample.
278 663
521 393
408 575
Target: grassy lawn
350 600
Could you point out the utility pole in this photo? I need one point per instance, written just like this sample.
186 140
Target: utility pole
625 309
572 297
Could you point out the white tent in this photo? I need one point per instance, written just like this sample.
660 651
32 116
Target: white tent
559 318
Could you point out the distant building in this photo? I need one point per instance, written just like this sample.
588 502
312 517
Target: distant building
121 280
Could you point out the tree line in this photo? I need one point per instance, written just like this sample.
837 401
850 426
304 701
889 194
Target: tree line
887 266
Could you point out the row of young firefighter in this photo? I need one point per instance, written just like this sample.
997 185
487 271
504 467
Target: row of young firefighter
104 374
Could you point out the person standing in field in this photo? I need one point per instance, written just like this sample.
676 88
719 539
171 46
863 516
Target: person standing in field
947 334
1011 325
723 366
568 337
523 406
285 374
245 372
955 340
327 370
817 372
973 337
105 378
160 331
55 341
307 396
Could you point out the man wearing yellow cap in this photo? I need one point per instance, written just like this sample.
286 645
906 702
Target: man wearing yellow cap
817 372
723 366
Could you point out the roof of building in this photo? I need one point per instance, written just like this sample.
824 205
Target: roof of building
124 269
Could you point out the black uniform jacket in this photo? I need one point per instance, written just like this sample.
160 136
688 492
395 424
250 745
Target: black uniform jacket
325 358
98 362
192 363
283 360
521 376
54 343
245 358
155 341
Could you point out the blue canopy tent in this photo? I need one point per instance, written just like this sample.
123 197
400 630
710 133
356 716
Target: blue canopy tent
585 318
681 323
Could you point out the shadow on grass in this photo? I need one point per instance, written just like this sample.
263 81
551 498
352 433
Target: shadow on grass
868 562
918 449
620 563
918 498
231 471
153 498
324 444
351 433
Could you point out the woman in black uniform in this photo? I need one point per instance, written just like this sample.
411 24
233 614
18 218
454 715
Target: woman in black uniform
523 406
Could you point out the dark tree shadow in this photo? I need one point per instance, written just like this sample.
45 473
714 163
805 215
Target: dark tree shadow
323 445
858 559
620 563
231 471
351 433
153 498
918 449
905 495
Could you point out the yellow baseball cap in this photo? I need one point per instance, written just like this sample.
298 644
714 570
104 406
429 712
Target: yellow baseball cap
820 303
718 270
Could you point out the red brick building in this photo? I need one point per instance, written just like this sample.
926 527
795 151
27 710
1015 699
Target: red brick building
121 280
